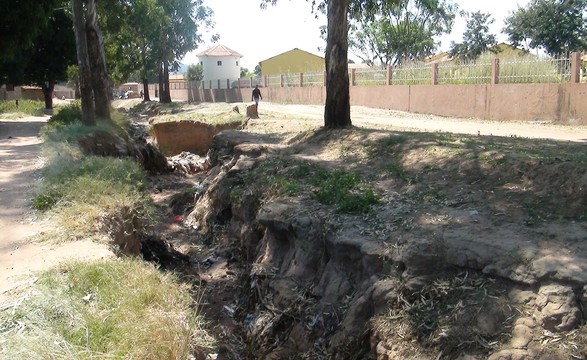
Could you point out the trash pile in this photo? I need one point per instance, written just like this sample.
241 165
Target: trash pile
189 163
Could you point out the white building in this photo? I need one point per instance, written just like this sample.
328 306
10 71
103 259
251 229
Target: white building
220 63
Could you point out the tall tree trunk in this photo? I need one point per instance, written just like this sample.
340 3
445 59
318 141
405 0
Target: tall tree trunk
48 93
337 111
164 95
100 82
166 82
83 63
146 96
161 84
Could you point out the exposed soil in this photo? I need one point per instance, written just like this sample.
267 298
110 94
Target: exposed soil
475 242
476 248
20 257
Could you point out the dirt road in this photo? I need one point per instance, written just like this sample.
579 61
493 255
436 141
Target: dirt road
20 162
368 117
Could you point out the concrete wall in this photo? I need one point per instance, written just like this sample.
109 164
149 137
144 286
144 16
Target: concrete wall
561 103
564 103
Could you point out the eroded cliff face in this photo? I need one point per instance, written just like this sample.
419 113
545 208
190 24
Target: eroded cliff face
406 280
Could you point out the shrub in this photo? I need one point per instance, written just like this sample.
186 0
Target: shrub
67 115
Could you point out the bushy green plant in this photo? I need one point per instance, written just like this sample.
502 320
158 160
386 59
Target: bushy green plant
67 115
346 191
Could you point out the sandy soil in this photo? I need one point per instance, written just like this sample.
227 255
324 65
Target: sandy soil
20 258
365 117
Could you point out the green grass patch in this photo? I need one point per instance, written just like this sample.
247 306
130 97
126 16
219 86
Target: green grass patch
24 108
66 115
203 117
83 191
103 310
345 190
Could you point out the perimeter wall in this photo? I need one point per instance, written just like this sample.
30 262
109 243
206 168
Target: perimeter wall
560 103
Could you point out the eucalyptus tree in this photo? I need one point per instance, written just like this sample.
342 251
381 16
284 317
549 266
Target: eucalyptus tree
338 12
151 36
177 35
556 26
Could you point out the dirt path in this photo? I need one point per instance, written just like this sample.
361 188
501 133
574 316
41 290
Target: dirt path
20 161
364 117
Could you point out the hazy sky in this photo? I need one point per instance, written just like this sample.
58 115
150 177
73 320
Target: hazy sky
260 34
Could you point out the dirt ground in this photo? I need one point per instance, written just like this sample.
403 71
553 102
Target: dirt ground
20 163
20 160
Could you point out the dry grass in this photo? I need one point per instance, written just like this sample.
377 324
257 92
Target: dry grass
104 310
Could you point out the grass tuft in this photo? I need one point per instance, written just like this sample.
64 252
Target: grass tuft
103 310
24 108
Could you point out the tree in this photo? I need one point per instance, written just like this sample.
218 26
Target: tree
151 36
99 74
45 62
402 32
476 39
177 34
337 106
52 52
195 72
21 22
83 63
559 27
257 70
73 79
246 73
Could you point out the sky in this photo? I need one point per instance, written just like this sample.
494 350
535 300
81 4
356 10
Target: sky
260 34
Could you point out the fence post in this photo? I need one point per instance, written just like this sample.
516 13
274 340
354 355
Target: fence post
266 81
228 83
218 83
575 68
281 78
353 77
210 84
301 79
324 79
495 71
389 75
435 74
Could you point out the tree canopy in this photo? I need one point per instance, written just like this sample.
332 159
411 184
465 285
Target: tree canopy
21 22
194 72
400 32
556 26
151 36
45 60
476 39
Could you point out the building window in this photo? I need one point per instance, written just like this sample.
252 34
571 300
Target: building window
201 63
219 63
237 63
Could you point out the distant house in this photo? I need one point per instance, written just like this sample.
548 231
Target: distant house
292 61
219 63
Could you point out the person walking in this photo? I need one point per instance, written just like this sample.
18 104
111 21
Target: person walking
256 95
